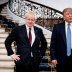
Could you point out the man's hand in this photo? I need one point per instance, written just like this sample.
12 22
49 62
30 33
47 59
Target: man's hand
15 57
54 62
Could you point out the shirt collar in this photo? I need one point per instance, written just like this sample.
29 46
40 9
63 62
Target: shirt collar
28 27
66 23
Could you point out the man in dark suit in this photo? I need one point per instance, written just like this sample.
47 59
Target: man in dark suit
59 43
29 51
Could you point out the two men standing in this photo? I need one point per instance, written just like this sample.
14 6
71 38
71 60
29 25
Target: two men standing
28 55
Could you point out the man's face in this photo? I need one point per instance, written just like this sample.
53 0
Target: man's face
30 20
68 16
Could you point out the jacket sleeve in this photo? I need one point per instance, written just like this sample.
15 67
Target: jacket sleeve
9 40
53 43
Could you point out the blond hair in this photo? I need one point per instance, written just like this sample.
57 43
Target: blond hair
30 13
67 9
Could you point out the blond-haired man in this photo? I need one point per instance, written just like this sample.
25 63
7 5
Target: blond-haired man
31 45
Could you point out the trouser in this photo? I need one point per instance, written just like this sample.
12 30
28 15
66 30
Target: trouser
65 67
32 67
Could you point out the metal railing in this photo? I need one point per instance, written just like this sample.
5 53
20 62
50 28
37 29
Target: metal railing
46 15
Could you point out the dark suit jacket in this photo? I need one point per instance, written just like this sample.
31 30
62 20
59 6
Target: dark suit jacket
19 35
58 44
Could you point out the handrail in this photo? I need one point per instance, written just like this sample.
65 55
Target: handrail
20 7
44 13
44 6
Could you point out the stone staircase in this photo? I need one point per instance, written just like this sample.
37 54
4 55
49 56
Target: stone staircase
4 12
6 63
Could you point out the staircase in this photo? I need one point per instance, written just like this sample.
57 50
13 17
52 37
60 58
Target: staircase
4 12
6 63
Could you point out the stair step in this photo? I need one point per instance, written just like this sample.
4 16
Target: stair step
5 6
49 33
7 64
5 58
44 59
9 17
4 34
4 26
4 51
5 48
16 21
4 9
44 67
3 45
6 70
2 30
4 14
2 40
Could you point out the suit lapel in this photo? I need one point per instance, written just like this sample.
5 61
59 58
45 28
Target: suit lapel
36 35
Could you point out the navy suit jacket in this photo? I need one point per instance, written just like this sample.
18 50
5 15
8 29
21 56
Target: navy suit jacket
58 46
24 49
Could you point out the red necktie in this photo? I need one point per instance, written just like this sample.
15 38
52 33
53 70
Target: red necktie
30 36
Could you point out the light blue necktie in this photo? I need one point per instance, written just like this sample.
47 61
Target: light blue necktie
68 40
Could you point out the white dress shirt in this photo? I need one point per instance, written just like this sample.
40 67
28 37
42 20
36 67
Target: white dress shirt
32 32
33 35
